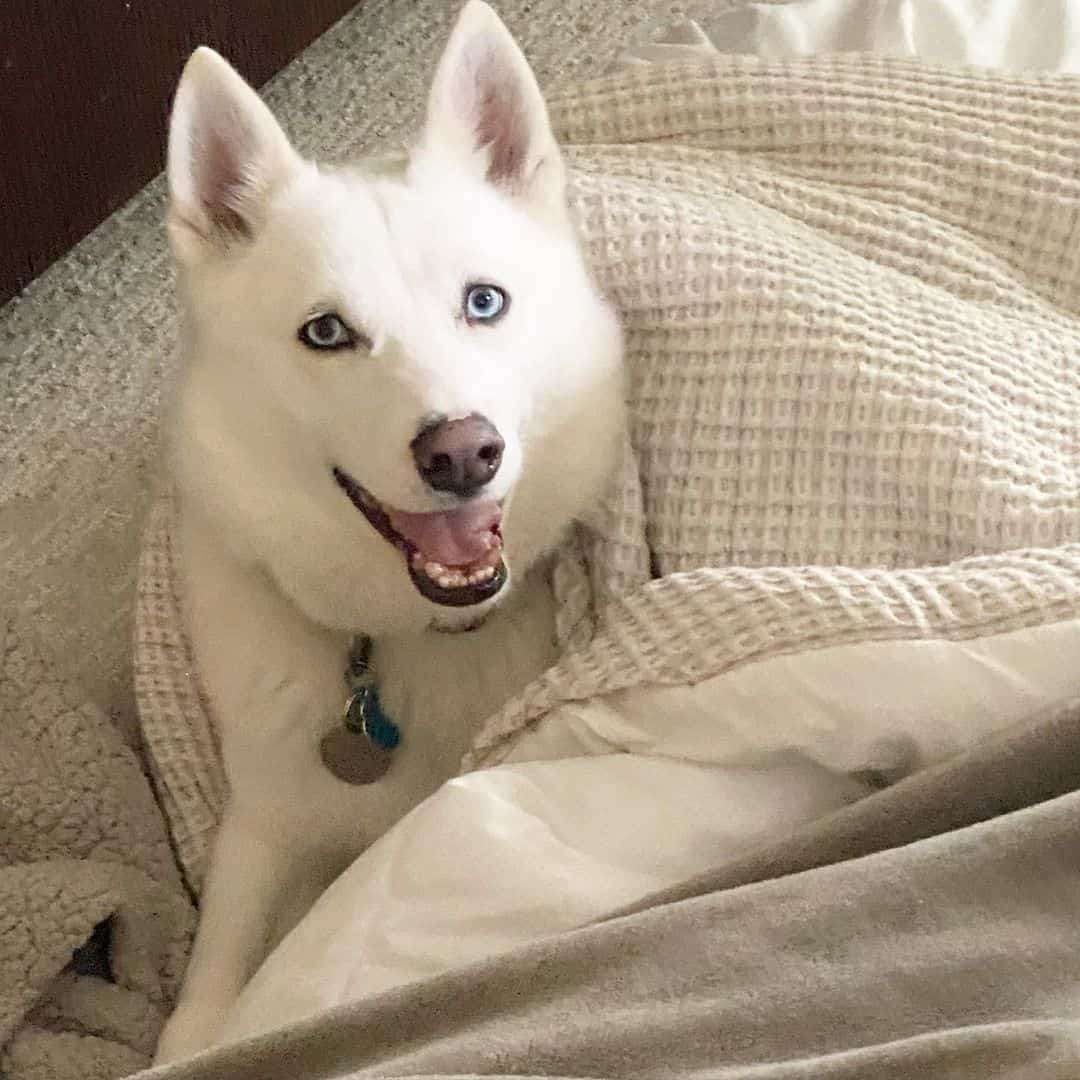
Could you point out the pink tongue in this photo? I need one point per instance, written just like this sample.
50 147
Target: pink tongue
451 537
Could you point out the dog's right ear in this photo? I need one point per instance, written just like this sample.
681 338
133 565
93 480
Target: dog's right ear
227 155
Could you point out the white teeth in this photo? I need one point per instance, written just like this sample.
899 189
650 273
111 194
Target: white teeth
445 577
449 577
453 580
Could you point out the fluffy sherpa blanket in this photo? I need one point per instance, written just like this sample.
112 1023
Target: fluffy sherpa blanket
94 921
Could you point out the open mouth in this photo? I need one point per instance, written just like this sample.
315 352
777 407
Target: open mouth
454 557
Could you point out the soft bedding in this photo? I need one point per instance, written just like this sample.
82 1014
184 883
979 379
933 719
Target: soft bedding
926 931
843 552
94 921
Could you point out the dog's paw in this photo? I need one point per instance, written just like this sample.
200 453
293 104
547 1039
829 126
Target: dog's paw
191 1029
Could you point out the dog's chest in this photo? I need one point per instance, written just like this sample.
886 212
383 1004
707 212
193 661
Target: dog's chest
438 689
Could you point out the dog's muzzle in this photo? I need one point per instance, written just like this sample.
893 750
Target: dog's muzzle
454 557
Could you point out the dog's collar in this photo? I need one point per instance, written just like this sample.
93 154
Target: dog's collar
360 750
364 712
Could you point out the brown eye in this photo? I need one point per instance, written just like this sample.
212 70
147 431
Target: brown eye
326 332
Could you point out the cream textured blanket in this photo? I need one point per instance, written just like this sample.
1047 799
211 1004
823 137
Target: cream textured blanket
852 298
853 309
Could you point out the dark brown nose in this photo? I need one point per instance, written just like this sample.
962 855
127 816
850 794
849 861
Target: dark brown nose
460 456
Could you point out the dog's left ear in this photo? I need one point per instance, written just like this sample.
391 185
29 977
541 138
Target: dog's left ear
487 114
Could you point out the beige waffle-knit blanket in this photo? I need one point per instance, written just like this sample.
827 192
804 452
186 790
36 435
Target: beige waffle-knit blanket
851 288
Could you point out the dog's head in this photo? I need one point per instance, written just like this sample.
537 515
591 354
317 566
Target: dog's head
403 383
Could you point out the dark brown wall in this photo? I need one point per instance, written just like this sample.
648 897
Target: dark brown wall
85 87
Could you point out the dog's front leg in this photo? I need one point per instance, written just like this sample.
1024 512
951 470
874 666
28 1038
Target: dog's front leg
274 680
257 885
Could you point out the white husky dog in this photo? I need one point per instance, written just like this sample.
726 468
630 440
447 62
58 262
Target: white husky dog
401 387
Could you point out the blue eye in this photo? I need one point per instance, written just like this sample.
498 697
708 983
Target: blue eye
485 303
326 332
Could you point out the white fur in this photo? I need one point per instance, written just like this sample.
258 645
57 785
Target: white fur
279 568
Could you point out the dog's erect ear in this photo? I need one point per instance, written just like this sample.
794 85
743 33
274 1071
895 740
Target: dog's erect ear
227 154
486 112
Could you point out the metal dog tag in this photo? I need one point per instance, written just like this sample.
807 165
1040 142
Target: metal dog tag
360 751
352 757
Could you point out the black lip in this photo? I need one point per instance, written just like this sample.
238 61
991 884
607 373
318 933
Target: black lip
377 518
